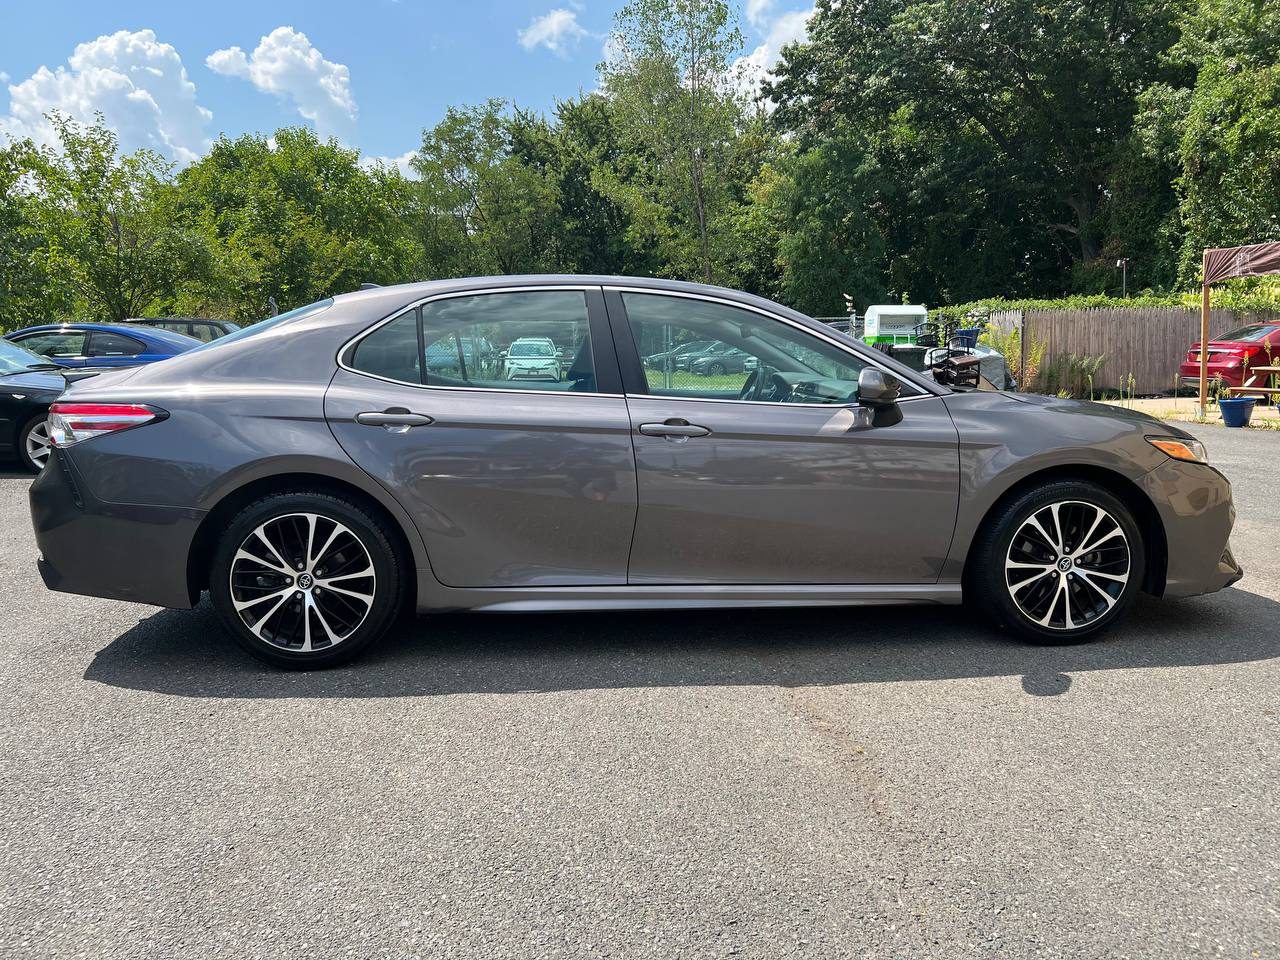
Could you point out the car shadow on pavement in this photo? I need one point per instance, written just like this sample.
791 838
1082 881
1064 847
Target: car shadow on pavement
185 653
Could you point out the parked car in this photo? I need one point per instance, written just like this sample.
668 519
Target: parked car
331 481
202 330
442 355
685 361
1229 353
101 344
717 364
658 361
28 384
532 358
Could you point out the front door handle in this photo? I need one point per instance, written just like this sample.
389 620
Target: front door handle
396 420
673 428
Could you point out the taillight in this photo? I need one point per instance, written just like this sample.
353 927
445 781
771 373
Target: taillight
72 422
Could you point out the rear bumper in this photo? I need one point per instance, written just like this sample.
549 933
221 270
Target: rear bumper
120 551
1194 503
1229 375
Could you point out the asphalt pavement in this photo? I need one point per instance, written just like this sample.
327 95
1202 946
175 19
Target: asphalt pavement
857 783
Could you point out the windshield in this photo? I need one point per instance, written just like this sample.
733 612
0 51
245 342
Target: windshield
261 325
1254 333
531 349
14 359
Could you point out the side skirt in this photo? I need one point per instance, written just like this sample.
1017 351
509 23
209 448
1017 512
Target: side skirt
433 596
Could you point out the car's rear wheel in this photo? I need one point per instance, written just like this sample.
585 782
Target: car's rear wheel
306 580
1058 564
33 443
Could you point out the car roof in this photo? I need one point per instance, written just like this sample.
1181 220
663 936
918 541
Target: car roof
153 333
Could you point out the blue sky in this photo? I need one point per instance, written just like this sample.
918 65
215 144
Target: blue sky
172 75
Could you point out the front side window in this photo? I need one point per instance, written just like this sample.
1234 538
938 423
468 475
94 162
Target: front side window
538 340
702 349
65 343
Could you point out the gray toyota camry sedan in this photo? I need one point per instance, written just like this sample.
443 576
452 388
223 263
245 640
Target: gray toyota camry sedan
321 471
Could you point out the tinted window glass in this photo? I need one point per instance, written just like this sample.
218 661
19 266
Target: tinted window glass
1260 332
697 348
538 340
69 343
391 351
106 344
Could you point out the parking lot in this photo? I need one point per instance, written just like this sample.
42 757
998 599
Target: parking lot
852 783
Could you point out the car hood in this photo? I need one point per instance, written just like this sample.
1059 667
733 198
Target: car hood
1028 432
1090 408
37 381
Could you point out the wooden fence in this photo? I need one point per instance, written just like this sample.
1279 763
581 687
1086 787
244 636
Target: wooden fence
1145 343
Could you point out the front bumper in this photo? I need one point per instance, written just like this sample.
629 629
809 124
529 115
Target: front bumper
1194 503
121 551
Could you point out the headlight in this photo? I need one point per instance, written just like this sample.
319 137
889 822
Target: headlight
1192 451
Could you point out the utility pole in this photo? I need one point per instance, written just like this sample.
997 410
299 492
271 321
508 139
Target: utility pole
1123 264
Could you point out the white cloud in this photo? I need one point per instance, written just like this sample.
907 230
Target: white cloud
558 30
138 84
4 77
401 163
287 65
758 13
778 30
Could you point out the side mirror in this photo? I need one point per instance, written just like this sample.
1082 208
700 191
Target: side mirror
877 388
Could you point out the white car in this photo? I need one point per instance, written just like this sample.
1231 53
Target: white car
532 358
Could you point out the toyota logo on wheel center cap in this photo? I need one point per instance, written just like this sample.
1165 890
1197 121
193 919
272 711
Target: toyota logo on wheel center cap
305 581
1064 564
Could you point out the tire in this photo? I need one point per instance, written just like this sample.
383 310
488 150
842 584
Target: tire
308 618
1023 568
33 443
715 370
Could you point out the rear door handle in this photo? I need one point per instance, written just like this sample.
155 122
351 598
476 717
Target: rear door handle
395 420
673 428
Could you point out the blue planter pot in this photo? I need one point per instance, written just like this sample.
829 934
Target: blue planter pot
1237 411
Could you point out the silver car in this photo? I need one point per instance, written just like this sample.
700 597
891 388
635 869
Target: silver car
316 475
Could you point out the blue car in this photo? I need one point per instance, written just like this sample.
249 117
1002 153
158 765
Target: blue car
101 344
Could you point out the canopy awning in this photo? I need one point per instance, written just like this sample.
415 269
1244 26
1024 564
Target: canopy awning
1255 260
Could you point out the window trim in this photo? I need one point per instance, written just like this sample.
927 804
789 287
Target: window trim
596 323
635 368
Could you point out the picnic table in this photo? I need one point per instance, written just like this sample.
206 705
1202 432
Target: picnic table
1265 373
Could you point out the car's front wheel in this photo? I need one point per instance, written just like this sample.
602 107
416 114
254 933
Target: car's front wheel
1058 564
306 580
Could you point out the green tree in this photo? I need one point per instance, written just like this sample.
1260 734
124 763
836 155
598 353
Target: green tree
28 294
677 114
484 209
294 219
592 233
1222 126
1047 88
106 224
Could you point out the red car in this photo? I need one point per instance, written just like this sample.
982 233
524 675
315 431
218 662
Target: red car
1228 353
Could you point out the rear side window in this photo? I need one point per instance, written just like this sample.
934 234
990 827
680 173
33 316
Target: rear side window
392 351
534 340
106 344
